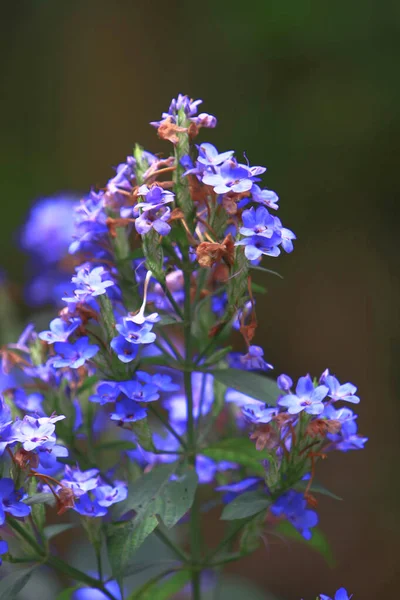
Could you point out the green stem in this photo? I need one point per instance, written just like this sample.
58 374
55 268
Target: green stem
173 302
170 343
171 544
195 530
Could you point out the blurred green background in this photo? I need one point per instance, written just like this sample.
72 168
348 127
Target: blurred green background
309 89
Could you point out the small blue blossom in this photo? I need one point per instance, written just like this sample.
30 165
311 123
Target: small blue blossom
73 355
293 506
3 549
230 177
136 333
307 398
10 500
210 157
79 481
189 107
341 594
258 221
258 245
107 391
95 594
347 438
60 330
138 392
155 197
86 506
265 197
345 392
154 219
106 495
33 433
259 414
254 359
90 283
162 382
284 382
125 350
128 411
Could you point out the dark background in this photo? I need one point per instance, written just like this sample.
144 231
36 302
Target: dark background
309 89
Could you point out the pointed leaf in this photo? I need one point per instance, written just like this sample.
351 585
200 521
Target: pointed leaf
318 542
238 450
143 433
13 583
316 487
249 383
245 505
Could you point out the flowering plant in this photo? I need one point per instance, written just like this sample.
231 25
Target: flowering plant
132 406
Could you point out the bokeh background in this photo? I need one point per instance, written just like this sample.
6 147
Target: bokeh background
311 90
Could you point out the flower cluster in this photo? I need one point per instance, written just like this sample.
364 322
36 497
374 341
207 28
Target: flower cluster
137 376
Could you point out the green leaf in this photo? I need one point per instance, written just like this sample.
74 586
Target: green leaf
245 505
143 433
219 398
238 450
168 320
66 594
318 542
318 488
249 383
153 495
123 539
13 583
42 498
258 268
118 445
51 531
252 534
154 590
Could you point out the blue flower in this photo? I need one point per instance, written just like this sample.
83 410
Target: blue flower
3 549
162 382
155 197
107 391
259 414
10 500
88 507
154 219
136 333
33 433
90 283
189 107
254 359
258 245
95 594
341 594
345 392
230 177
126 351
284 382
265 197
106 495
210 157
307 398
79 481
258 222
60 330
347 438
128 411
140 393
293 506
73 355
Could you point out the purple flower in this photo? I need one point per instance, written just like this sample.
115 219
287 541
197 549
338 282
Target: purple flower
155 197
107 391
90 283
95 594
306 398
154 219
189 107
139 393
88 507
10 500
345 392
258 222
48 454
287 236
33 433
210 157
259 414
73 355
79 481
341 594
128 411
162 382
125 350
106 495
293 506
265 197
257 245
3 549
60 330
347 438
136 333
284 382
230 177
49 228
254 359
5 424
